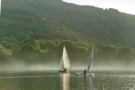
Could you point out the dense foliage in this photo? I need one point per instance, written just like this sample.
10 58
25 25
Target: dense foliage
32 17
34 31
30 50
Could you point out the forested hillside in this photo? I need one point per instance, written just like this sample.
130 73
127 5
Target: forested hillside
107 25
34 31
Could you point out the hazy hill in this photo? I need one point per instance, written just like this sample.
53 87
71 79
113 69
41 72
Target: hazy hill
106 25
34 31
16 20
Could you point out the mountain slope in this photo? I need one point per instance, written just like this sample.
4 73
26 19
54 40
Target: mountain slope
17 20
106 25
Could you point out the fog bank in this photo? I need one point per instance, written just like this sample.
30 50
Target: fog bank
19 66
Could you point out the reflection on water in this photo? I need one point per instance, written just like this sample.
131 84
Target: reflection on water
89 82
65 77
132 88
52 80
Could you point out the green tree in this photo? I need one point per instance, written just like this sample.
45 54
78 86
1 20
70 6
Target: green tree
110 50
82 50
27 48
33 42
3 54
23 37
70 46
125 52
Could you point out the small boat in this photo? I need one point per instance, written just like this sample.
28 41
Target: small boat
65 62
86 72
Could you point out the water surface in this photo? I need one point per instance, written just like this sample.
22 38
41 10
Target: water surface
52 80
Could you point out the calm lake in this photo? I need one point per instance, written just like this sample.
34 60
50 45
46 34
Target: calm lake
52 80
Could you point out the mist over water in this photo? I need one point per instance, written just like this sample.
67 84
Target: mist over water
20 66
16 75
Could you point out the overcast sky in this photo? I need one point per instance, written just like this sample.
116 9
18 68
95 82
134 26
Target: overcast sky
0 4
127 6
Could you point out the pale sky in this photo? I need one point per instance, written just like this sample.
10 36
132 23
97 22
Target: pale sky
0 4
126 6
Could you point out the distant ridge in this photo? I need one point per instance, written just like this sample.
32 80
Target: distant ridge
108 25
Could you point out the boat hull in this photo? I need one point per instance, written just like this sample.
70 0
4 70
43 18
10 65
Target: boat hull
63 71
82 74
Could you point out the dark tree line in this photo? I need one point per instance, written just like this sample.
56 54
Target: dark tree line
30 50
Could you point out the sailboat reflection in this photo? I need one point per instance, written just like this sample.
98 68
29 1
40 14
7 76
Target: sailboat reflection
89 82
133 88
65 79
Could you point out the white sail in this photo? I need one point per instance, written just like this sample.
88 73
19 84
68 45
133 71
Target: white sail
66 59
91 59
61 63
65 63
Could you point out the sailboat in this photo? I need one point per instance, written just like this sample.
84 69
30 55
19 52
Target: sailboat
86 72
65 62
